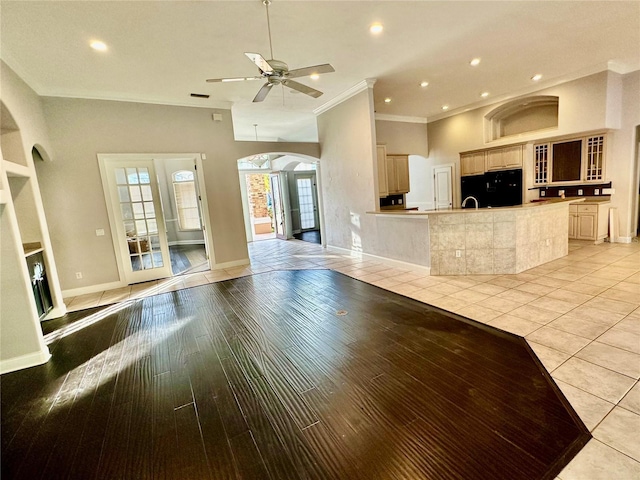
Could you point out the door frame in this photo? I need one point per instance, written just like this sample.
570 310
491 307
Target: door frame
134 157
312 175
277 177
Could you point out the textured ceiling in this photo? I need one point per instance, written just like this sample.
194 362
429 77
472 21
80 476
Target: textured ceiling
160 52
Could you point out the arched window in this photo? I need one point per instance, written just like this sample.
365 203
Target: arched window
184 191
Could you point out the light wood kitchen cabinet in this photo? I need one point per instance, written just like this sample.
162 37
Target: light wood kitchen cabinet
383 184
589 222
472 163
504 158
397 174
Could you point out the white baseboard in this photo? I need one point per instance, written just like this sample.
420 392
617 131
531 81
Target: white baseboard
388 261
24 361
74 292
235 263
56 312
186 242
624 239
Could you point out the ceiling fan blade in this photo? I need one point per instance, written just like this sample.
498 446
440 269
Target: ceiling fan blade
303 72
264 91
259 60
232 79
312 92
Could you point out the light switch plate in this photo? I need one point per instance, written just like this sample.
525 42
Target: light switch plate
596 191
100 232
580 191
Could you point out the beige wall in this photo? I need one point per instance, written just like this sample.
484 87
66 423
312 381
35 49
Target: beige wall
601 101
80 129
349 189
402 137
346 134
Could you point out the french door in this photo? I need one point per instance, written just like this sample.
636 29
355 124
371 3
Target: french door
307 202
278 206
137 222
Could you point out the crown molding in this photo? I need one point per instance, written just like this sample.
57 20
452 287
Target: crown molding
399 118
346 95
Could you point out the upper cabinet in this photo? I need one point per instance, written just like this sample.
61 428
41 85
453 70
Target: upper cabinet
383 184
393 173
572 160
398 173
472 163
503 158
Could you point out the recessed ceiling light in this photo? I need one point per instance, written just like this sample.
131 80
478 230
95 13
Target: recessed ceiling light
375 28
387 100
475 62
484 94
98 45
445 107
424 84
536 77
314 76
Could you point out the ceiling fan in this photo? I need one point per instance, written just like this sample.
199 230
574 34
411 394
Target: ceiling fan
276 72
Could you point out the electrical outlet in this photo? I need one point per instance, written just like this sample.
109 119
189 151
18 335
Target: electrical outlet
596 191
543 193
78 275
100 232
580 191
547 242
458 253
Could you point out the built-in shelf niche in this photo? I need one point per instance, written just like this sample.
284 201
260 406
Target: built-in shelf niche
523 115
10 138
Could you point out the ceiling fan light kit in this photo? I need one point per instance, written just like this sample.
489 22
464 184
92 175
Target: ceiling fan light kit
276 72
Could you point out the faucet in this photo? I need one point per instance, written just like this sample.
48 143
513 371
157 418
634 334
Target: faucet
464 202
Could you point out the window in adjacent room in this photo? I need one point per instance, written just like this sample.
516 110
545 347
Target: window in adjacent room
184 190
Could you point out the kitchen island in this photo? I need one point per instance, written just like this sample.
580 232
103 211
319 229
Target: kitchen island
503 240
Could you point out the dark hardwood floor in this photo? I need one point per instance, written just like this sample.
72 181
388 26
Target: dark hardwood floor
311 236
188 259
283 375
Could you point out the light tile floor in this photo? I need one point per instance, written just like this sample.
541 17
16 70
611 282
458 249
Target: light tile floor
580 314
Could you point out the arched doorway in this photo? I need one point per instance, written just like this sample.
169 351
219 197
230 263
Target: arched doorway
280 197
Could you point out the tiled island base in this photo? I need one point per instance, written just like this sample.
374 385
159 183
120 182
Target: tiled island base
499 241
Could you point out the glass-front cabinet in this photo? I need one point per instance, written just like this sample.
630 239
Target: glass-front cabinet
572 160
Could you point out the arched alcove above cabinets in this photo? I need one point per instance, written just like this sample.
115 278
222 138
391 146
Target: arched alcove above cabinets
523 115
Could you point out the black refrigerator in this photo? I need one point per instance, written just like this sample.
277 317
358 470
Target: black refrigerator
502 188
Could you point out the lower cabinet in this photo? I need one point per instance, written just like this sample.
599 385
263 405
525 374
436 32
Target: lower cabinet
588 222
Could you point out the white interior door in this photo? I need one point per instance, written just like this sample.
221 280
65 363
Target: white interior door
137 222
442 187
278 206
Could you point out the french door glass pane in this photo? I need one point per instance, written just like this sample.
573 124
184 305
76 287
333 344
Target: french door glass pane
139 217
305 201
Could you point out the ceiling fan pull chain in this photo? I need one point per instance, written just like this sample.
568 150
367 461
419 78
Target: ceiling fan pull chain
266 4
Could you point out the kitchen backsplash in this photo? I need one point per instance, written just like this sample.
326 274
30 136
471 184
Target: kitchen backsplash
586 190
392 200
